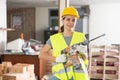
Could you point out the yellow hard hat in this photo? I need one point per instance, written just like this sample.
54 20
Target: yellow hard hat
70 11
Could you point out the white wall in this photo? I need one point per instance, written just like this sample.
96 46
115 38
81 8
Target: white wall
42 21
105 18
3 24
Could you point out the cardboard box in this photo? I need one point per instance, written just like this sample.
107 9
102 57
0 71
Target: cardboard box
29 67
15 76
1 77
17 69
6 65
1 69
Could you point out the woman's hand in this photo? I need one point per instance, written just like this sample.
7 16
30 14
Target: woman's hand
61 58
74 59
68 64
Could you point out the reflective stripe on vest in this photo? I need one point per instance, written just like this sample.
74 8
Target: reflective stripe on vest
62 70
58 44
81 73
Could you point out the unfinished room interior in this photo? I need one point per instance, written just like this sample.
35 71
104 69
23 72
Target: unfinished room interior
59 40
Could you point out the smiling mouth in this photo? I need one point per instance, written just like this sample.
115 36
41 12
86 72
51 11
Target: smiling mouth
70 26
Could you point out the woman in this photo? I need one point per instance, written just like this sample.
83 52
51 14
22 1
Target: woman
62 68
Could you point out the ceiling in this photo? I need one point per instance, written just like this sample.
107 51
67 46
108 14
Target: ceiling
53 3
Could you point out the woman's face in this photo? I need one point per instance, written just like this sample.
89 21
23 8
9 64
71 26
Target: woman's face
69 22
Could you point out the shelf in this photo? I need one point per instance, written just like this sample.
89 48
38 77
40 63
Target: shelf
6 29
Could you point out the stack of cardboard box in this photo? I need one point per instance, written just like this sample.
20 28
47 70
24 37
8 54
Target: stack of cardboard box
19 71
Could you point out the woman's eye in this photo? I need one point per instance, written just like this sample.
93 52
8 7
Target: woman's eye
73 20
68 19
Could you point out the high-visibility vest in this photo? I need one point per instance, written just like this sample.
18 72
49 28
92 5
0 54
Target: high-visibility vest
58 44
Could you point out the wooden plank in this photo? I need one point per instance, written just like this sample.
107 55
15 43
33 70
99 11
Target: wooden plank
112 60
96 76
111 76
96 67
112 47
111 54
111 68
97 46
97 59
97 53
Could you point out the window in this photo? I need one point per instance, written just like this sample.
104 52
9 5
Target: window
53 19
